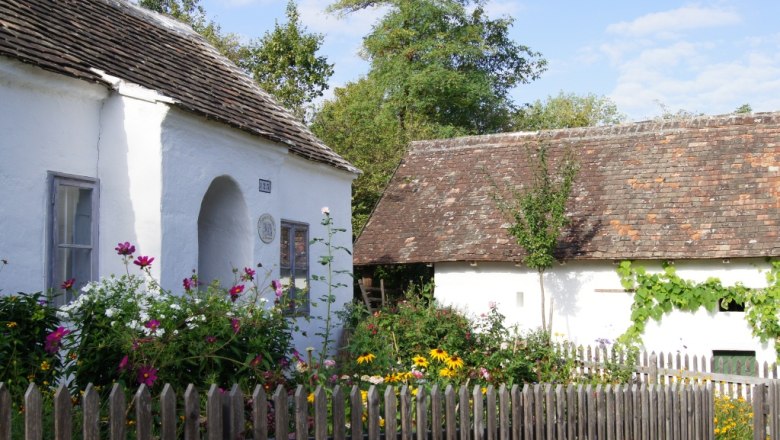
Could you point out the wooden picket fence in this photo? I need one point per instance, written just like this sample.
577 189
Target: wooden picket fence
668 368
530 412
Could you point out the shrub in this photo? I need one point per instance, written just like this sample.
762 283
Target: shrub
733 418
127 329
26 321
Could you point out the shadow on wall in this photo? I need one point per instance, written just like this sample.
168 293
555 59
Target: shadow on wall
224 232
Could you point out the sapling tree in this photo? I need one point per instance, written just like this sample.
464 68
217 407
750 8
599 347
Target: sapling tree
537 212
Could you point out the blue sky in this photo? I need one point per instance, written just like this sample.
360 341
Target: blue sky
704 57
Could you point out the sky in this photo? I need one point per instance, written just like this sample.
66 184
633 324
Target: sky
647 56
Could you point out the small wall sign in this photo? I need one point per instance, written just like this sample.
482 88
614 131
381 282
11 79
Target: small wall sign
265 186
266 228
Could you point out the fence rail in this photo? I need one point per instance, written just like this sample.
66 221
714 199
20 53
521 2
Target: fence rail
531 412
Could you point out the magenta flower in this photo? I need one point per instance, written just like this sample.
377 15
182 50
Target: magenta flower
125 249
235 324
249 274
54 339
152 325
68 284
235 291
256 361
124 363
147 375
188 284
211 339
143 261
277 286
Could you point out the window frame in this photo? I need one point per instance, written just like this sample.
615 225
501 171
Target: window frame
304 308
56 180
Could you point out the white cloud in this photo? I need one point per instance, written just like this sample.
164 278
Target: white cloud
353 25
499 8
668 23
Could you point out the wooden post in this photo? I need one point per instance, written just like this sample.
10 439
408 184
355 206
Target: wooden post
259 414
168 413
191 413
117 408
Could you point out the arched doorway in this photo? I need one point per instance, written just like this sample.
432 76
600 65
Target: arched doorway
224 232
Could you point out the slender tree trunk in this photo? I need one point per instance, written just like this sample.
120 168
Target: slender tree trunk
541 287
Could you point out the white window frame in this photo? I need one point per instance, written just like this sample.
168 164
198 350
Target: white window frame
56 180
302 308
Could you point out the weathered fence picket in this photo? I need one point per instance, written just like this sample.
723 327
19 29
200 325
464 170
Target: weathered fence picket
535 411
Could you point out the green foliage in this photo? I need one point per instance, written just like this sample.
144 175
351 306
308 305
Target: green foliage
193 14
733 418
128 330
25 322
744 108
285 63
656 294
438 69
567 110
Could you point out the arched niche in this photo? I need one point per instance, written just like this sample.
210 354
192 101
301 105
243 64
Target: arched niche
224 232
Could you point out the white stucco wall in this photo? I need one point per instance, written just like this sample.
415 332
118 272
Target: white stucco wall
196 151
590 303
48 122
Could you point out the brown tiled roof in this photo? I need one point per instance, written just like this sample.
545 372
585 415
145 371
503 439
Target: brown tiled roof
702 188
141 47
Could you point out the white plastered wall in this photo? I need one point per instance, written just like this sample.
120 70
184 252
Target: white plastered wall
590 303
49 123
196 151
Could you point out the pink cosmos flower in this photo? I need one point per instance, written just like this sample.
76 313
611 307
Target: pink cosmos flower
54 339
211 339
329 363
325 210
147 375
417 374
235 291
249 274
123 364
143 261
68 284
188 284
124 249
152 325
277 286
256 361
235 324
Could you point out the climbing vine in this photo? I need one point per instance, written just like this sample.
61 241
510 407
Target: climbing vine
656 294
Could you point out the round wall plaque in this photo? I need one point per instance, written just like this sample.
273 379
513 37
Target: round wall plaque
266 228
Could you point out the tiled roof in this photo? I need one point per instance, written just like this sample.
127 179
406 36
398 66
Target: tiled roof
707 187
78 36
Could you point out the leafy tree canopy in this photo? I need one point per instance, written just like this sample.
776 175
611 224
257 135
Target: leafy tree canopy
446 62
285 63
567 110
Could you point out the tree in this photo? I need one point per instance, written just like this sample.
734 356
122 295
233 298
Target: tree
285 63
438 69
538 213
744 108
445 63
567 110
193 14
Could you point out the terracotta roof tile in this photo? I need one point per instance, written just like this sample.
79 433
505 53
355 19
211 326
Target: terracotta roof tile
702 188
138 46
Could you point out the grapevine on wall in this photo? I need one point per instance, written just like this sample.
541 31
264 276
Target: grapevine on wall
656 294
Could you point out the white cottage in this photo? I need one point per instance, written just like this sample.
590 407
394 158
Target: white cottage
703 193
118 124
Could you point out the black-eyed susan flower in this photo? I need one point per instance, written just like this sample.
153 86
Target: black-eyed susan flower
447 372
420 361
365 358
310 398
438 354
454 362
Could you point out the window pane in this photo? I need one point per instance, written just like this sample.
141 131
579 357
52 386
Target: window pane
71 263
284 241
74 215
301 249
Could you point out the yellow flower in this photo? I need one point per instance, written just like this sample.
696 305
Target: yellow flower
364 396
438 354
454 362
414 391
45 366
366 358
420 361
447 372
11 324
484 390
310 398
381 422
